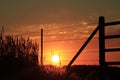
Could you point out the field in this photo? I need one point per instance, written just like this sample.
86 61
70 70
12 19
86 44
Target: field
18 61
49 72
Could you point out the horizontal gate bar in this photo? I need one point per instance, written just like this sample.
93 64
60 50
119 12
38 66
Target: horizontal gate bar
112 36
113 63
112 50
112 23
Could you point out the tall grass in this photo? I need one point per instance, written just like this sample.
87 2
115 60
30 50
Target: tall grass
17 54
19 61
17 50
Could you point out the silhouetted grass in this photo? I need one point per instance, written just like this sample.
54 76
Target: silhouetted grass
19 61
94 72
17 55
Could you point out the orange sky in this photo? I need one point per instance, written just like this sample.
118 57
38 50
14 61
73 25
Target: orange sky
66 39
66 42
66 24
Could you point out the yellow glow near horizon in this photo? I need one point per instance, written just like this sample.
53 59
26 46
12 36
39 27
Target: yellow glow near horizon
55 58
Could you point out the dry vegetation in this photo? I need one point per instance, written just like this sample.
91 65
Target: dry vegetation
19 61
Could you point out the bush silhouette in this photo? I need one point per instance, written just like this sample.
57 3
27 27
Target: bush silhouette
17 53
19 61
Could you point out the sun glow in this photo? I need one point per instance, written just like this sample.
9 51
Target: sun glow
55 58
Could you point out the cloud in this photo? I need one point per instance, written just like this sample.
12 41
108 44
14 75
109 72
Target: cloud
35 37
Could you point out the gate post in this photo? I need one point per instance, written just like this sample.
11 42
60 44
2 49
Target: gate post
101 41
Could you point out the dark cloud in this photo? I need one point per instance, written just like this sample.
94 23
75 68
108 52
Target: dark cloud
27 12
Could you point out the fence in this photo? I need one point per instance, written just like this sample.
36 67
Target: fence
102 37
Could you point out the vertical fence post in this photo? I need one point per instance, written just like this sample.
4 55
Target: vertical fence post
41 47
101 41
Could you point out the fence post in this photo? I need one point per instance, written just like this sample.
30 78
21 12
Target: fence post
41 47
101 41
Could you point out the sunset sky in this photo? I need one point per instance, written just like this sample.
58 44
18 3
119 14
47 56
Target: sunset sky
66 25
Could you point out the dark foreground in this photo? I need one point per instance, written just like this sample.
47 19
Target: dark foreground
19 61
81 72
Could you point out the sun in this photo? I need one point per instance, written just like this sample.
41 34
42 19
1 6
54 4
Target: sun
55 58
